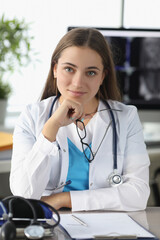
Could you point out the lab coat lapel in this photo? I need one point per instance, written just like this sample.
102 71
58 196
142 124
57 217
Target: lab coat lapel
62 141
102 122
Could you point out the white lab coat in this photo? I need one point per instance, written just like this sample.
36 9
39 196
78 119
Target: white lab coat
38 166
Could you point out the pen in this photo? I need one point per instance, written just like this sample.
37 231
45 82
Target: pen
79 220
62 185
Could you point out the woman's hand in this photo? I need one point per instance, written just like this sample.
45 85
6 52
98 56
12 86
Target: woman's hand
67 112
58 200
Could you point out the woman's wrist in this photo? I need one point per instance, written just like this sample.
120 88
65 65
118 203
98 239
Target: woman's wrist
66 200
58 200
50 130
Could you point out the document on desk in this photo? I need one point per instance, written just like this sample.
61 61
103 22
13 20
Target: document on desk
102 226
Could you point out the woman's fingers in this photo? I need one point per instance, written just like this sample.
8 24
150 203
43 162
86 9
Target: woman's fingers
68 112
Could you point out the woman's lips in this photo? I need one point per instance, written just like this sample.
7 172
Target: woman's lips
76 93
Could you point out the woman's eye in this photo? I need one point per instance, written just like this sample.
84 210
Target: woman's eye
68 69
91 73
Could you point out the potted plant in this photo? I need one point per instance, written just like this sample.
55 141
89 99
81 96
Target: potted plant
15 52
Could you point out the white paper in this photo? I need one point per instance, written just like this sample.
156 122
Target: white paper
102 224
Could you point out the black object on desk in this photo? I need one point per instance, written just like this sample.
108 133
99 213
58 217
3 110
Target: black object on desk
17 211
155 187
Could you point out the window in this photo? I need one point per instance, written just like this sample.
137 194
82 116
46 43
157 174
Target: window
141 14
50 20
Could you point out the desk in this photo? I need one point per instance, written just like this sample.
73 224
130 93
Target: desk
6 143
149 219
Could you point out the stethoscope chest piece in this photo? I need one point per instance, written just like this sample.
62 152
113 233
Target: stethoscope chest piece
115 179
34 232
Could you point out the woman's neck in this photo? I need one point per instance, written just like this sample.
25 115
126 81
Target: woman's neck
91 107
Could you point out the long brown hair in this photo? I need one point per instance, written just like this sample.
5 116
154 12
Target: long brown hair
93 39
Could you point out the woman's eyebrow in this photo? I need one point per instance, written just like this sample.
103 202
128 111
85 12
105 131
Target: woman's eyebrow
93 67
73 65
68 63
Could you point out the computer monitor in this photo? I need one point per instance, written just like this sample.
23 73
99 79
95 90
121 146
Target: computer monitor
136 54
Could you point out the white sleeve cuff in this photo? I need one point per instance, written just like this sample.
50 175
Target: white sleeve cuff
45 145
78 200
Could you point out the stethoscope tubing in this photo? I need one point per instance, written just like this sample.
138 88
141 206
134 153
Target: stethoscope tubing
114 136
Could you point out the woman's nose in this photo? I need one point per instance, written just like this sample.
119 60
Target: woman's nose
78 79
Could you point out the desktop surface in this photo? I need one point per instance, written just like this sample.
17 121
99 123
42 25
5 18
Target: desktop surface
149 219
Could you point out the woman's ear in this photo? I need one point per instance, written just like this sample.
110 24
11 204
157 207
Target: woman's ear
55 70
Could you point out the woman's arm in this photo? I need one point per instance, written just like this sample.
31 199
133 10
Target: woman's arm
58 200
30 164
35 148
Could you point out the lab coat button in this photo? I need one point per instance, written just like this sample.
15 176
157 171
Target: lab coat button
62 183
91 184
64 150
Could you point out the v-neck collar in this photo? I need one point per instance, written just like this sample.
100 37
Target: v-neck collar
71 144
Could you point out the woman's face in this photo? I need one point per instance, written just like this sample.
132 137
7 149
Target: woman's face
79 74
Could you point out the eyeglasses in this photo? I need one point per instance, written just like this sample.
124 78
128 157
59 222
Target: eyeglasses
82 135
101 110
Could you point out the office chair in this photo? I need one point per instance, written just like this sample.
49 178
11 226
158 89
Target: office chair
155 187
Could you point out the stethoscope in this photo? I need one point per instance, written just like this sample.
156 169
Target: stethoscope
36 228
114 178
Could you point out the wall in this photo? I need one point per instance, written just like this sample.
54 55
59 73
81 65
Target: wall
50 20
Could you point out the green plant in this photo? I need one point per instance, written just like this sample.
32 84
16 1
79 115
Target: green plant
15 50
5 90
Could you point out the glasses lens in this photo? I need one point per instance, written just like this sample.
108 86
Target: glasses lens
84 145
81 130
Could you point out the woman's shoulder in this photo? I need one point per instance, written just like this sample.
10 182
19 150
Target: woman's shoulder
39 109
127 113
36 113
122 107
41 104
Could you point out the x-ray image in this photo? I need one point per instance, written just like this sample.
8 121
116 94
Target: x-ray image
137 61
150 68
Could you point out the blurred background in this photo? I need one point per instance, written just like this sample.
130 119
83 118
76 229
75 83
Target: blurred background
48 21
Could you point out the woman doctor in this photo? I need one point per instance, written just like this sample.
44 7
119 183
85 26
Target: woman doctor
66 150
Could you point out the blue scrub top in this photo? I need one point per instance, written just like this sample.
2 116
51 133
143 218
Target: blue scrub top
78 171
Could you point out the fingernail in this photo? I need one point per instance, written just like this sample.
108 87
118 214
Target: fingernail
82 119
72 118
